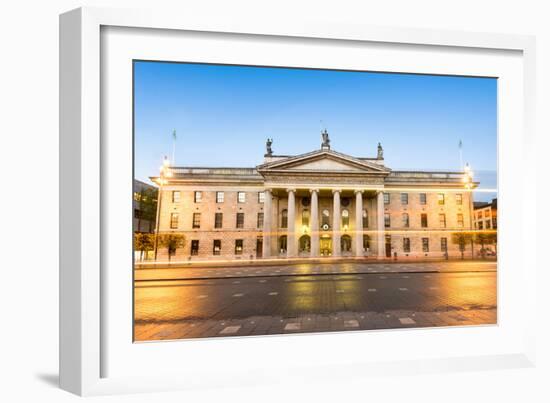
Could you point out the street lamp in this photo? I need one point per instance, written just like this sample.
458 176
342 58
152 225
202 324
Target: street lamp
164 173
468 180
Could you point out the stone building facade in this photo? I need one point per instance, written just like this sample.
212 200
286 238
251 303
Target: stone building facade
319 204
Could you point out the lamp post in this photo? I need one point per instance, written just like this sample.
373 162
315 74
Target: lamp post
468 184
164 172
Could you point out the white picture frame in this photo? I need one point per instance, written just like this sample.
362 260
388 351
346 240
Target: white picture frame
87 344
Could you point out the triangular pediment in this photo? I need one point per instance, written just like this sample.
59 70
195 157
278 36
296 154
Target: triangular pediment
324 161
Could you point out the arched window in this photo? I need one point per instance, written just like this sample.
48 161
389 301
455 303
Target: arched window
305 218
325 219
345 242
365 219
284 218
305 243
345 218
282 244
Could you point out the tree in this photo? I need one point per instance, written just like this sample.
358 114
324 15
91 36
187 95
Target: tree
461 239
485 238
172 241
147 207
143 242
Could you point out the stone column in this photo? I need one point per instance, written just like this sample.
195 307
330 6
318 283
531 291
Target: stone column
359 223
380 238
314 220
336 219
268 216
291 230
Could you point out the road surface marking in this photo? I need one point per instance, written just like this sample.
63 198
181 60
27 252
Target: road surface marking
273 293
339 290
238 295
293 326
351 323
433 288
403 289
371 290
406 321
236 282
262 281
230 330
382 277
427 276
202 296
405 276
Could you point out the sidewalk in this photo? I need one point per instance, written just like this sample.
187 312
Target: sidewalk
310 269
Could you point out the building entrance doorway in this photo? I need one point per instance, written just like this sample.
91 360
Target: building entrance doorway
326 246
388 245
259 247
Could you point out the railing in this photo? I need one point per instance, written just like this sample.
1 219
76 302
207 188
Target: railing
214 171
427 175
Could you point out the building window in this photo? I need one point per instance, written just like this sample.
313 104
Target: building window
196 220
194 247
240 220
198 197
494 221
261 197
218 220
458 198
305 218
238 246
260 220
220 197
441 198
325 218
424 220
487 224
479 215
387 222
176 195
425 244
282 243
137 196
241 197
386 198
366 242
442 221
487 213
305 243
460 220
406 245
365 219
345 243
137 213
345 218
404 198
422 198
443 244
405 220
217 247
174 218
284 218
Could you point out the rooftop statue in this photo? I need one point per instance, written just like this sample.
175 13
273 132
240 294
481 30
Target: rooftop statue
268 150
326 141
380 155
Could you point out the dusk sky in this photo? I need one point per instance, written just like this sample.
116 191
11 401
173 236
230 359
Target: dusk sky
223 115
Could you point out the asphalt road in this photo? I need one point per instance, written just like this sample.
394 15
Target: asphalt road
162 307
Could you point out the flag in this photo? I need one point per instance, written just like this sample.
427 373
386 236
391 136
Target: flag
174 135
460 144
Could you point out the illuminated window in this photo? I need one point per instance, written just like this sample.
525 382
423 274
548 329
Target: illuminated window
238 246
305 218
442 221
365 219
198 197
196 220
387 222
458 198
241 197
174 218
345 218
386 198
460 220
217 247
220 196
325 218
441 198
176 196
261 197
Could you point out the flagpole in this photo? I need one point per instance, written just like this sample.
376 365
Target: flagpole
174 147
460 154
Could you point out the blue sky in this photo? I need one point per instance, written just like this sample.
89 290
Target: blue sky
223 115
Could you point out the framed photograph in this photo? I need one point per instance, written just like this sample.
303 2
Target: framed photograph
248 201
